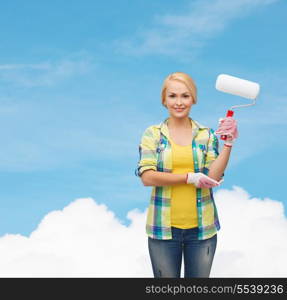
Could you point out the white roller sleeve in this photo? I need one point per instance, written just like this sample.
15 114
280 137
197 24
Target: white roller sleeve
237 86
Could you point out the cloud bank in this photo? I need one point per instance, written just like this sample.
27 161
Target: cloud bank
86 239
179 34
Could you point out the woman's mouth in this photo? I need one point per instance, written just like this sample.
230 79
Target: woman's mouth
179 109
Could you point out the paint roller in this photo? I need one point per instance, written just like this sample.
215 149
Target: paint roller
239 87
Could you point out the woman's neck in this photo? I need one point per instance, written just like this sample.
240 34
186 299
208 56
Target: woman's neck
173 123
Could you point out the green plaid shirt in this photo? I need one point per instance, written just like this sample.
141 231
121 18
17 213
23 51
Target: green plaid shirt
155 154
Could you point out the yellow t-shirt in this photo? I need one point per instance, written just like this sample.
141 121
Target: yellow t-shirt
183 196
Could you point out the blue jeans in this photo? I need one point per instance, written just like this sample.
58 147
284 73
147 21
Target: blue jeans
166 255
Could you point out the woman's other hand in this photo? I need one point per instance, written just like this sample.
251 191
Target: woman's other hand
200 180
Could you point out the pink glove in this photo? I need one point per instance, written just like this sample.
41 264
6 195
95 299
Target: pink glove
228 126
200 180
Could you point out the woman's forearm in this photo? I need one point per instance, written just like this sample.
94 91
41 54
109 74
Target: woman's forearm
156 178
218 166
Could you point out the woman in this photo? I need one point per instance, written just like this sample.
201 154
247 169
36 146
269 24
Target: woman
179 158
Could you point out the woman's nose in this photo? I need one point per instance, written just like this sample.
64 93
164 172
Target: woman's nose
178 100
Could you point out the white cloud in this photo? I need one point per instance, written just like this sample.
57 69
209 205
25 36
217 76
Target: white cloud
85 239
45 73
252 242
178 34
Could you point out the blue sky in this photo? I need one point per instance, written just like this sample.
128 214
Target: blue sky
81 80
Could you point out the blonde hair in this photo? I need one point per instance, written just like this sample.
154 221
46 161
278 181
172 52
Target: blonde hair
181 77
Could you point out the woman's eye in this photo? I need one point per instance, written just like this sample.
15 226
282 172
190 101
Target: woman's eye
185 96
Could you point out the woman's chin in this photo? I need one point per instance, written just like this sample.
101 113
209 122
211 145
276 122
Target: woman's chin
179 114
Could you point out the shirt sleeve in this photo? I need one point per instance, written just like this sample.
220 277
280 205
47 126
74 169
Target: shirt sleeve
147 153
212 151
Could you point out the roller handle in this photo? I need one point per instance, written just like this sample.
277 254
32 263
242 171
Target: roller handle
229 113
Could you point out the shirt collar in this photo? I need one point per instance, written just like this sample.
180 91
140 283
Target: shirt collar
195 127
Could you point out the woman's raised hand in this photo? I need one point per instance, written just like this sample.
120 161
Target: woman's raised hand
228 127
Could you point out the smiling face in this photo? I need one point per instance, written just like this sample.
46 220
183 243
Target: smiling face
178 99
